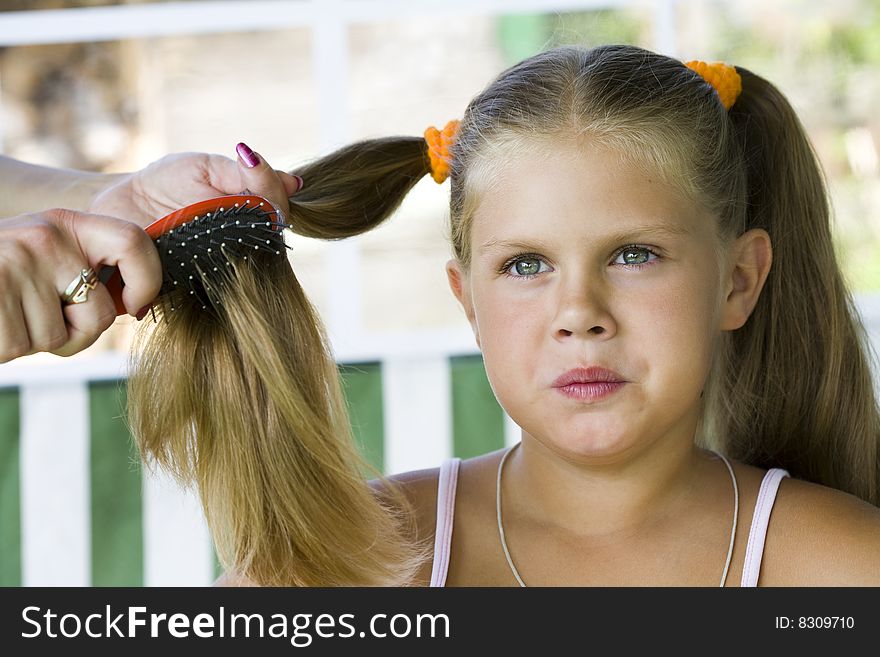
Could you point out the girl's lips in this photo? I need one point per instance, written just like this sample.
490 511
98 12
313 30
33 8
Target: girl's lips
590 391
593 374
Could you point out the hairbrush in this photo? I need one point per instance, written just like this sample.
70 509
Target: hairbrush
196 241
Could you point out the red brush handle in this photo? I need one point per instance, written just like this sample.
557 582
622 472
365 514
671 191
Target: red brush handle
161 226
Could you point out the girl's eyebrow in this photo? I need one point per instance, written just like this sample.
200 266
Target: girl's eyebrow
650 230
500 245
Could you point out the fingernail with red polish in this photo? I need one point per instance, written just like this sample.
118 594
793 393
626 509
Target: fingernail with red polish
301 183
142 312
247 155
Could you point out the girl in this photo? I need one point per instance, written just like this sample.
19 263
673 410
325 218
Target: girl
642 249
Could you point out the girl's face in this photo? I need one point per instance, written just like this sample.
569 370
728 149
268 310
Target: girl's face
581 260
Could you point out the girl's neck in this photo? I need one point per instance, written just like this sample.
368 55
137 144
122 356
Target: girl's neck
607 497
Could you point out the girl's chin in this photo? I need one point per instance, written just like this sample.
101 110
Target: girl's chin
588 442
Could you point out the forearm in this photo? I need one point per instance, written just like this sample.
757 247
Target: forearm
30 188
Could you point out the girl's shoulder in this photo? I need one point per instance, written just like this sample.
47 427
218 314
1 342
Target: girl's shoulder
820 536
421 488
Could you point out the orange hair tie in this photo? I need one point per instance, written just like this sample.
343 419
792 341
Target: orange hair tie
439 143
723 77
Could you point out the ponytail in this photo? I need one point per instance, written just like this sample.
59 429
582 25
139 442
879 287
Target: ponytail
355 188
243 401
793 387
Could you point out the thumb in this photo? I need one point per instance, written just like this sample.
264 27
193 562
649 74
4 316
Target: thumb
259 178
122 244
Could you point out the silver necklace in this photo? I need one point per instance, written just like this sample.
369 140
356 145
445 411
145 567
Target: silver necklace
507 552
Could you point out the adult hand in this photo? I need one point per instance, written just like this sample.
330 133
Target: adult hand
180 179
41 253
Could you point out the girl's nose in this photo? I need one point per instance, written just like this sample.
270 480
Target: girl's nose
583 311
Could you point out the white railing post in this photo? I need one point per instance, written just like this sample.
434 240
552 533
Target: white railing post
343 259
55 485
666 27
177 544
417 405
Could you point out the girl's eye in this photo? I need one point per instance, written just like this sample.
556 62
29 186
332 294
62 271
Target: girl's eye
524 266
634 256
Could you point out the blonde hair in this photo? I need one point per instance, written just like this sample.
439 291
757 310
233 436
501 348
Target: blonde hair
243 400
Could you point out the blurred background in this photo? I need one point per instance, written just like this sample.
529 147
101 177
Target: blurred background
112 86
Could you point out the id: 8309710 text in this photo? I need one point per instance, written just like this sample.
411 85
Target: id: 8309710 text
814 622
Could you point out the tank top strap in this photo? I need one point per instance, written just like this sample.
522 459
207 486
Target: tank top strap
760 520
445 511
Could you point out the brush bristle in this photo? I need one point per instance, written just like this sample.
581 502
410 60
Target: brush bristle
193 253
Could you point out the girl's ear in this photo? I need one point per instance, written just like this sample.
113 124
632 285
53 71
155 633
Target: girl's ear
459 284
752 255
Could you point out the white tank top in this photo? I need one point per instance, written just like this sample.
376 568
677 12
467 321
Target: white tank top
446 509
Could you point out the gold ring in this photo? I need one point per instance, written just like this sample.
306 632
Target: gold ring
78 290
